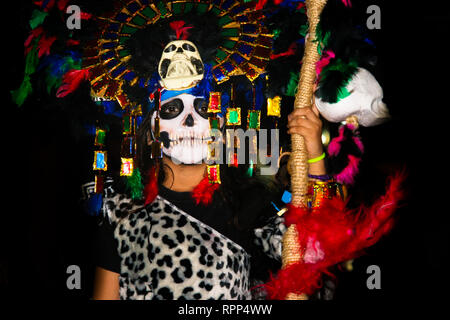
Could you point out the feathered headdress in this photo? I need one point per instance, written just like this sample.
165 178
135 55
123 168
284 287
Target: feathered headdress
251 51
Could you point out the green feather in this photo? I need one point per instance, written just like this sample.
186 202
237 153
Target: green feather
20 95
291 87
322 38
54 80
334 80
32 60
37 18
342 93
134 185
276 34
303 30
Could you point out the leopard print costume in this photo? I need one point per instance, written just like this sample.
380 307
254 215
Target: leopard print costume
168 254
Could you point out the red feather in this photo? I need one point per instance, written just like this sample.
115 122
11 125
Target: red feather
71 81
180 29
324 61
48 6
290 51
44 45
85 16
347 3
72 42
151 189
332 234
204 191
260 4
35 33
62 5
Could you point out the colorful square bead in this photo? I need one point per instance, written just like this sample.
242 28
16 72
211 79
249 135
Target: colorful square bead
213 173
253 119
234 116
127 167
100 160
214 104
274 106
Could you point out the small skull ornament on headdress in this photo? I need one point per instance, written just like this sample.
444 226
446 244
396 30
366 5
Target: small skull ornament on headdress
181 66
365 102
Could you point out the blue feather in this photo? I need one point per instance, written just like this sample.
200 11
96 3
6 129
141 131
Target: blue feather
94 204
90 129
153 82
205 86
112 108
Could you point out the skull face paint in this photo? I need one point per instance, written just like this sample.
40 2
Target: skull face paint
184 128
181 66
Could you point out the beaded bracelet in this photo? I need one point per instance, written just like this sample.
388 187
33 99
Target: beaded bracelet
324 177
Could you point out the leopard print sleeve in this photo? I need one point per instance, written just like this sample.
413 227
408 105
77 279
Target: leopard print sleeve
117 205
269 237
114 205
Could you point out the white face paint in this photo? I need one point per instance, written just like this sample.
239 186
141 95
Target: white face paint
365 102
184 119
181 66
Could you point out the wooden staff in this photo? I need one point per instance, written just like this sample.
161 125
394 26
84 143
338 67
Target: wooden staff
298 162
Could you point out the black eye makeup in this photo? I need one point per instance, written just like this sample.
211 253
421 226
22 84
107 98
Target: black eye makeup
171 109
201 106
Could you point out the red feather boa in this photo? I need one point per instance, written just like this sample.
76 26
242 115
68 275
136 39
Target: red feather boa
204 191
332 234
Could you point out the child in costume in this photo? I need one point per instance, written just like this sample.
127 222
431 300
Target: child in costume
176 227
173 248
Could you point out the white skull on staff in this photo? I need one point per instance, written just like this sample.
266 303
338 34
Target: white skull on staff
365 102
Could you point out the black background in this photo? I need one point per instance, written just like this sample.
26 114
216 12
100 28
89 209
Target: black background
44 229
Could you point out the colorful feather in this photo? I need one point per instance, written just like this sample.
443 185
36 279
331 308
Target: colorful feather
30 41
204 191
71 81
350 137
292 85
334 79
37 18
180 29
31 62
94 204
347 176
134 185
334 147
20 95
56 66
352 232
289 52
44 45
324 61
